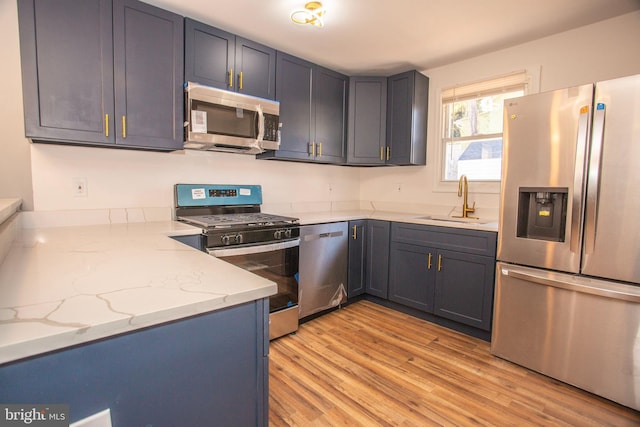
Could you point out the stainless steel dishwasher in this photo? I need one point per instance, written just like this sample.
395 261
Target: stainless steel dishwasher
323 267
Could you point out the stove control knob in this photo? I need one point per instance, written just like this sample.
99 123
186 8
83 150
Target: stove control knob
287 233
277 234
239 238
226 240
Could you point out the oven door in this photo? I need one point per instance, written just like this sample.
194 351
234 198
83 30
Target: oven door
277 262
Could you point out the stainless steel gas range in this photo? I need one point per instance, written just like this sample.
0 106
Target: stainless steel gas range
235 230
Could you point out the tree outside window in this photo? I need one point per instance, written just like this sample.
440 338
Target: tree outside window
472 127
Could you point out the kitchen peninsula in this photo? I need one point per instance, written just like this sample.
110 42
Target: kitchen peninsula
121 316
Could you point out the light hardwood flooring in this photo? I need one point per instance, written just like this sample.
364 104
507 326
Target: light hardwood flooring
367 365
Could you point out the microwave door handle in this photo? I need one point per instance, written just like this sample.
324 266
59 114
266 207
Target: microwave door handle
260 114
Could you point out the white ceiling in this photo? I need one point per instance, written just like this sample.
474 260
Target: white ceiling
386 36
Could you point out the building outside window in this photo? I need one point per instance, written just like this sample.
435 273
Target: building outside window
472 126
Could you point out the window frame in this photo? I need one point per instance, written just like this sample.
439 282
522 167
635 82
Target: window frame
531 76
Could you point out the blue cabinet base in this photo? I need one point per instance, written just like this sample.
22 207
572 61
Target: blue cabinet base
450 324
210 369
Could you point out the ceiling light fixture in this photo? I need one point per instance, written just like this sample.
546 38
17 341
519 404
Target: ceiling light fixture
311 14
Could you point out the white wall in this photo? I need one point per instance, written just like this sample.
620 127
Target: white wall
600 51
15 159
132 178
125 178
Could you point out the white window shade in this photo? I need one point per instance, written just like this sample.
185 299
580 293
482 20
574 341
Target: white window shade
506 83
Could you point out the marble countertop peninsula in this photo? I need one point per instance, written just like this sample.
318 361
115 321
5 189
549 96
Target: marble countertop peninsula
63 286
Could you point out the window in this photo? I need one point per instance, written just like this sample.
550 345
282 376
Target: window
472 127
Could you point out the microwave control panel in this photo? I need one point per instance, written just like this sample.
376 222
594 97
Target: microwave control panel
271 127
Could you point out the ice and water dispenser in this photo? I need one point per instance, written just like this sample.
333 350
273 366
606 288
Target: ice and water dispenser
542 213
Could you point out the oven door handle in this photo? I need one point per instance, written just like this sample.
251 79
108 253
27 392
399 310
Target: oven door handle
254 249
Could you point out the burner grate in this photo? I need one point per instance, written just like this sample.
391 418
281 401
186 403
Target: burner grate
242 219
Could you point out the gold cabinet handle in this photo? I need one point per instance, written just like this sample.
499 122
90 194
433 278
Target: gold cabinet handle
320 149
106 125
124 126
429 261
231 77
312 147
382 153
240 81
355 232
388 153
439 262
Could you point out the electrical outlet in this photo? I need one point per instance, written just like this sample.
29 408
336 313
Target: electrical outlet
397 187
329 188
79 187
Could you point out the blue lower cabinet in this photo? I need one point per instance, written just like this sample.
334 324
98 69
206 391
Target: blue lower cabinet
210 369
412 275
377 258
464 288
357 248
443 271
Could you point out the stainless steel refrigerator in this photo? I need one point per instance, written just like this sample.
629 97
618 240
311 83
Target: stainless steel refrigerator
567 300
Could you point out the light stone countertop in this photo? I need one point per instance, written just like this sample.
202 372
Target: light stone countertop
8 207
67 285
307 218
63 286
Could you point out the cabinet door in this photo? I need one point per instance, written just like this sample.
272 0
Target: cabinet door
377 258
209 55
407 118
330 102
148 59
412 275
67 70
357 251
293 90
367 120
255 69
464 288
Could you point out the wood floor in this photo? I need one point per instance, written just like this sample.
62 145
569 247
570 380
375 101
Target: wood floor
367 365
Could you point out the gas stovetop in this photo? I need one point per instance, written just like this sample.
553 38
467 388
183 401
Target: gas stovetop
230 215
255 219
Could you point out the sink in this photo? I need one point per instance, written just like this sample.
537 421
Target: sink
445 218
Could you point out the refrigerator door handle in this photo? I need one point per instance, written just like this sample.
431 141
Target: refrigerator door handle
593 184
578 183
583 288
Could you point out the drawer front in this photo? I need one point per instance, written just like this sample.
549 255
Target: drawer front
455 239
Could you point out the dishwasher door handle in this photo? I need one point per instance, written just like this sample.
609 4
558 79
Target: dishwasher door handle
607 292
330 234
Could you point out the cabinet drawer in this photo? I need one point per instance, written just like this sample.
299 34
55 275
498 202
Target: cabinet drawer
455 239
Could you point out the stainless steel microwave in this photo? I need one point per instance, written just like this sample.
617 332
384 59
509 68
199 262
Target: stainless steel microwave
220 120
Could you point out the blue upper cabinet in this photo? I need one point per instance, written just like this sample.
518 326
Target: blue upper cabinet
388 120
67 69
407 100
313 112
367 133
216 58
97 72
148 63
256 69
